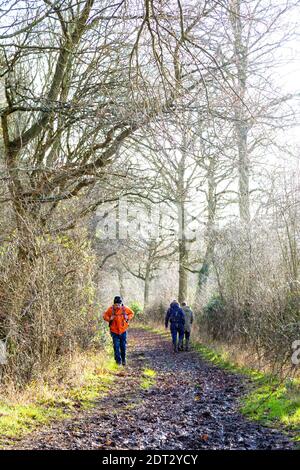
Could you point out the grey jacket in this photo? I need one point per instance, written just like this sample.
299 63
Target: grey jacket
189 318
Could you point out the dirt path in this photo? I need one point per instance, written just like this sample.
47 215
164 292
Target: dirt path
191 406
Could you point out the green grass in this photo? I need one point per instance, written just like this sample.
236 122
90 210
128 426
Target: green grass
275 404
148 378
42 406
270 401
18 420
223 361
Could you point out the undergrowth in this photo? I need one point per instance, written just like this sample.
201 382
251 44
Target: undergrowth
41 402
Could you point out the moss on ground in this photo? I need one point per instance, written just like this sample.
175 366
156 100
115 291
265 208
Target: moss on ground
148 378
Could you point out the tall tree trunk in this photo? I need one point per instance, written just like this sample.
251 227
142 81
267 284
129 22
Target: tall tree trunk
240 49
244 173
149 273
121 282
183 274
182 255
146 287
182 242
210 237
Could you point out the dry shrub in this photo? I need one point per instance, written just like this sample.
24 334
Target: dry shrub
47 303
256 299
156 313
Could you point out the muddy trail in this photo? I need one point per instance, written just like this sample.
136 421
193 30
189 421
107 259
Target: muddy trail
189 404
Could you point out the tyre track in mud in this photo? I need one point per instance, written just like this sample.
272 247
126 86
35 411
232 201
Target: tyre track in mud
191 405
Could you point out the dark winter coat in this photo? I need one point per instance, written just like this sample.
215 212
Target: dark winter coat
175 316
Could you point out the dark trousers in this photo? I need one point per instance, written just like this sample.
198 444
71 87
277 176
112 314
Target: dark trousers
119 342
177 330
187 335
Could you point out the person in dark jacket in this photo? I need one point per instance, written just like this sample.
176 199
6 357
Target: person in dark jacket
175 316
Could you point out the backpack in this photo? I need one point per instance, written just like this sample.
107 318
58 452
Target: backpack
176 316
123 313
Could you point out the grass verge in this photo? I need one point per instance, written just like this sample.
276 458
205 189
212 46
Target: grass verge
271 401
41 402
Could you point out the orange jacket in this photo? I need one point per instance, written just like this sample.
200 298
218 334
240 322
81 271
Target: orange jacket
118 318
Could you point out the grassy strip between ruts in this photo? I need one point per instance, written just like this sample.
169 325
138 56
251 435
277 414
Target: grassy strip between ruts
41 403
270 401
148 378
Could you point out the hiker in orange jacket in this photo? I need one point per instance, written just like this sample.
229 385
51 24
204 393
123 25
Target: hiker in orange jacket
118 317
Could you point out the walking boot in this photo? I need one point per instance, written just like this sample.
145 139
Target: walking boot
175 347
187 345
180 346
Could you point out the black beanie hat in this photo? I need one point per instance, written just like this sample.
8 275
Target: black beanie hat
118 300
